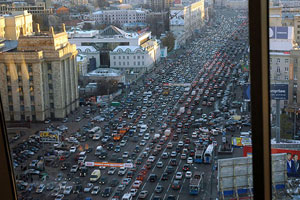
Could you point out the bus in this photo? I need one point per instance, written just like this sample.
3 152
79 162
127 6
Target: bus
209 153
199 153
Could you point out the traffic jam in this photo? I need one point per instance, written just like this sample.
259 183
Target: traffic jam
159 139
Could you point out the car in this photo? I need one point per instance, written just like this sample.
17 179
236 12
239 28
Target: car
40 188
190 160
143 142
122 171
165 155
78 119
95 190
88 187
164 176
133 192
159 164
68 190
170 169
126 181
176 185
121 187
159 188
103 180
107 192
74 169
178 176
125 154
143 194
63 185
183 156
59 197
186 167
73 149
136 184
180 143
173 154
171 197
188 174
122 143
151 159
152 177
170 145
47 121
114 182
173 162
111 171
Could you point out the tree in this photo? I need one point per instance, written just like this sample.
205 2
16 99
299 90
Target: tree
106 87
169 41
286 127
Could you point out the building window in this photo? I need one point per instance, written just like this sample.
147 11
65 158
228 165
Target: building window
20 78
29 67
32 108
278 69
9 88
278 60
51 96
32 98
22 117
134 63
124 63
21 98
8 78
51 105
50 86
120 63
115 63
138 57
119 57
10 99
30 78
114 57
127 63
295 85
286 69
142 57
22 108
286 60
19 68
127 57
123 57
21 89
133 57
143 63
286 78
49 76
139 63
11 108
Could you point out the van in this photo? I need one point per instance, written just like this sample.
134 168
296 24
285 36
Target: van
96 174
127 196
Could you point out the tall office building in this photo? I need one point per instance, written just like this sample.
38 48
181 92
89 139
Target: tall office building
38 76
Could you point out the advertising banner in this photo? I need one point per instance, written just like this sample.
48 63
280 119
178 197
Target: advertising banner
240 141
279 91
49 136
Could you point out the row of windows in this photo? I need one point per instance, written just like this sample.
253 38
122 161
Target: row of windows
278 60
134 63
286 69
22 108
134 57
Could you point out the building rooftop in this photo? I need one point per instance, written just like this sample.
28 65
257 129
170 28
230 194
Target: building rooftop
86 49
8 45
126 48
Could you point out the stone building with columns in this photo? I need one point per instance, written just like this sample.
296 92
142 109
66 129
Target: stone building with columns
38 77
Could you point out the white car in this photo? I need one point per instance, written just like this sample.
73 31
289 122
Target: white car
73 149
194 135
180 143
68 190
190 160
63 185
183 156
143 143
125 154
78 119
133 192
122 171
147 136
95 190
188 174
159 164
178 176
111 171
88 187
122 143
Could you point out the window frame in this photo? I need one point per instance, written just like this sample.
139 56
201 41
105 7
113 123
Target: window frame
259 57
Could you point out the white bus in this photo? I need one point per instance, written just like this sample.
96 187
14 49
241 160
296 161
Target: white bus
209 153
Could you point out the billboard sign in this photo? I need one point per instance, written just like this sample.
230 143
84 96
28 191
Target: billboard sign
240 141
49 136
176 18
279 91
235 174
279 32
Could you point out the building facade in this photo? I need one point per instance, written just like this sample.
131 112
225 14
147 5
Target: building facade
39 78
119 17
37 9
185 20
135 59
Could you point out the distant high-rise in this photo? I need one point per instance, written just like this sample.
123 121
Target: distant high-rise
160 5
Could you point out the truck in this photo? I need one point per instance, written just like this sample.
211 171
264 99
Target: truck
196 183
120 134
199 153
168 132
156 136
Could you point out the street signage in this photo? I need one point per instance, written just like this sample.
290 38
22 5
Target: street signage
49 136
105 164
279 91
